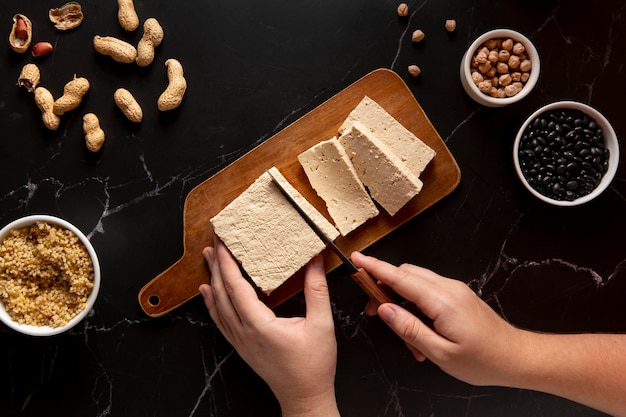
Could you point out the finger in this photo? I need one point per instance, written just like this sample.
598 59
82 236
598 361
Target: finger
221 299
316 294
205 289
419 356
238 294
207 295
412 330
411 282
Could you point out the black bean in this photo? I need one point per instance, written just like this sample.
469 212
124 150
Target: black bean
573 167
562 154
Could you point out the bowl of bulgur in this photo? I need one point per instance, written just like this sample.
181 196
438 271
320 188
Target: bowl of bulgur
49 275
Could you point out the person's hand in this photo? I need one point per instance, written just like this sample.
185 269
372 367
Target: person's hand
295 356
468 339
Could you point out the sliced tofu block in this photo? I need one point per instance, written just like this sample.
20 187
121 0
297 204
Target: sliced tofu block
267 235
335 180
387 178
408 147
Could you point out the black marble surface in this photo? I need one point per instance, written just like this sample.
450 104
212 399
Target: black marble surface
252 68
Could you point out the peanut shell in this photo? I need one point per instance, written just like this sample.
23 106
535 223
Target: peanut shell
127 16
94 135
117 49
152 37
66 17
21 33
173 94
29 77
73 93
128 105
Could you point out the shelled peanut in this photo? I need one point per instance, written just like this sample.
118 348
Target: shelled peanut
500 67
42 49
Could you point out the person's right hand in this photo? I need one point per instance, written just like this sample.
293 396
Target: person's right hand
471 342
468 339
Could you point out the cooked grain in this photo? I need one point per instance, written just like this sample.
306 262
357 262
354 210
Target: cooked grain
46 275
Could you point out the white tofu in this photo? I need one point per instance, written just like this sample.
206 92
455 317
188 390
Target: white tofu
408 147
335 180
267 235
387 178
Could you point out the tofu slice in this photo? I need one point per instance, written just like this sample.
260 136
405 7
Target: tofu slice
402 142
267 235
335 180
388 179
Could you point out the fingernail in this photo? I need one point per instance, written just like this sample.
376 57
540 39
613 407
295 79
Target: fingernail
357 255
208 255
318 262
386 313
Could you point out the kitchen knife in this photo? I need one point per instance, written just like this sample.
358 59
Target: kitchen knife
359 275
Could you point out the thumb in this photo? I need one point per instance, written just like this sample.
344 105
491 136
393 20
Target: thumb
417 335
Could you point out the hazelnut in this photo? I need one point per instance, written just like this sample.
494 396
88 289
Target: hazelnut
477 77
403 10
507 44
504 55
525 65
414 70
417 36
450 25
518 48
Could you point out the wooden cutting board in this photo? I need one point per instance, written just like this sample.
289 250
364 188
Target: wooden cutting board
180 282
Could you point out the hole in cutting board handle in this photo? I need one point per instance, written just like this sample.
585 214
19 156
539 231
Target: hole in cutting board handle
154 300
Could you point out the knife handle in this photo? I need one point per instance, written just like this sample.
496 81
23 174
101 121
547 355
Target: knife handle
376 292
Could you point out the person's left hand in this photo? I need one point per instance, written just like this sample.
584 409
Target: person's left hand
296 356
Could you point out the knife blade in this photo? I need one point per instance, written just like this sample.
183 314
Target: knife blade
359 275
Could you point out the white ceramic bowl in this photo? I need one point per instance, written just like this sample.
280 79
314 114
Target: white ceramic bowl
466 75
47 330
610 141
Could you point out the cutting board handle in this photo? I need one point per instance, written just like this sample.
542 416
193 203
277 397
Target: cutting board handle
174 286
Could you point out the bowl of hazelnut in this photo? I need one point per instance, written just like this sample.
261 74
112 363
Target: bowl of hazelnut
49 275
566 153
499 68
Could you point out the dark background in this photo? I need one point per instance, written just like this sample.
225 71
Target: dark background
253 68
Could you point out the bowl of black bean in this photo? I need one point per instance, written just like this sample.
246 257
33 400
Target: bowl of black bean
566 153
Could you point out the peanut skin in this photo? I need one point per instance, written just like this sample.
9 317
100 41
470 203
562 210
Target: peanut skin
152 37
173 94
116 48
127 16
73 93
45 103
94 135
128 105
